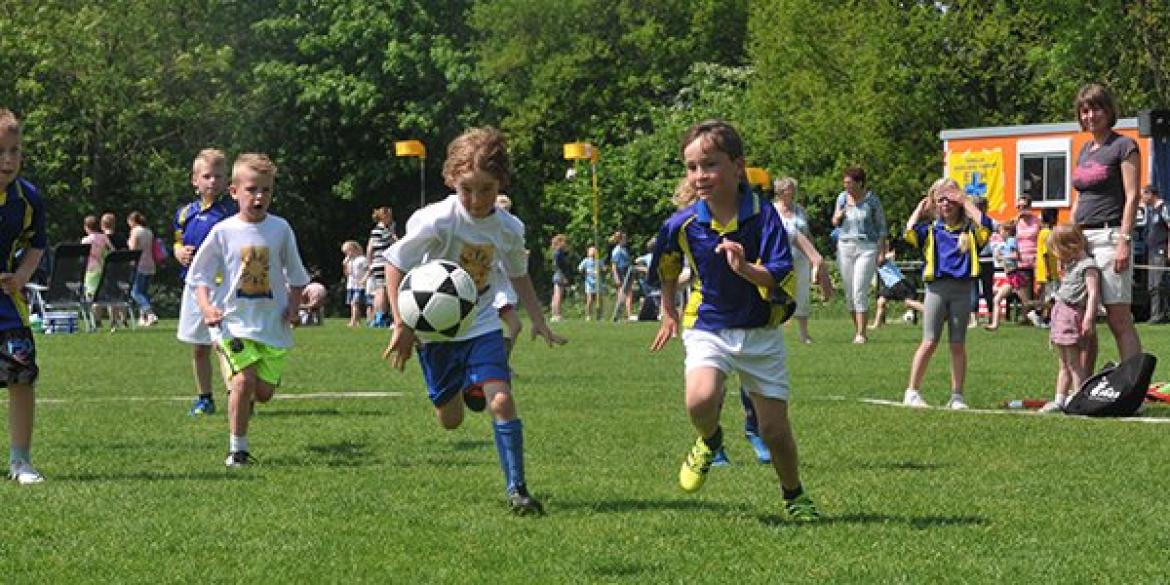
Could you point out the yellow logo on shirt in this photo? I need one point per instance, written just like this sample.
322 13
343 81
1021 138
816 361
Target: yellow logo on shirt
477 261
254 283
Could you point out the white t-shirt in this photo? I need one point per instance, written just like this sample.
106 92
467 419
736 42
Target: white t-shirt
357 269
445 230
259 262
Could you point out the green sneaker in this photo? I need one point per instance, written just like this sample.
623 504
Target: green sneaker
801 509
695 467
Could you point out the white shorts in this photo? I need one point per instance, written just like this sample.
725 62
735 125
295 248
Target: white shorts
1116 288
191 327
757 354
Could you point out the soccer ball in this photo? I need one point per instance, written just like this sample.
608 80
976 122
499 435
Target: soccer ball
436 299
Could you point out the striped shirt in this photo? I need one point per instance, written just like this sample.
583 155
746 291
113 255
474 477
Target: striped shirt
720 298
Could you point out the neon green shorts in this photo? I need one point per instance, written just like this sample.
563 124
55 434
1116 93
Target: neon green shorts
244 353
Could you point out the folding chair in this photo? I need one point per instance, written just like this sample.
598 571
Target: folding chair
113 291
66 287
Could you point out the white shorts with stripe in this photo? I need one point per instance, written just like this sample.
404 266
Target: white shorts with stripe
757 355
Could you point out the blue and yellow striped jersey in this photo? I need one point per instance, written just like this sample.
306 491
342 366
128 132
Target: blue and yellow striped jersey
720 298
22 227
194 221
950 252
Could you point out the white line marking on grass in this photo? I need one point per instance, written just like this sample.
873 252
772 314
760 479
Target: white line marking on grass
304 396
1154 420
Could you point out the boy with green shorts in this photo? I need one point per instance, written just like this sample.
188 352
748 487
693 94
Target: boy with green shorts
261 290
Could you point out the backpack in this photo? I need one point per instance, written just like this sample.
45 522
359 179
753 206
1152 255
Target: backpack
159 251
1115 390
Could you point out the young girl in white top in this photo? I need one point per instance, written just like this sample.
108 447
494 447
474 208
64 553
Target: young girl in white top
1073 316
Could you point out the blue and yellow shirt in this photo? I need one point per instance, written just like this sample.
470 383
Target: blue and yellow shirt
720 298
194 221
950 252
22 227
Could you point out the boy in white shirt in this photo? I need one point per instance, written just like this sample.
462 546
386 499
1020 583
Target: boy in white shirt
469 229
261 291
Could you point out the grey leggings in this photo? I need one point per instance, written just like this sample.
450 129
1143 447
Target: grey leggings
947 300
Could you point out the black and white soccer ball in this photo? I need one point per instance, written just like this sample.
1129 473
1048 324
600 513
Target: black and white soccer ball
437 300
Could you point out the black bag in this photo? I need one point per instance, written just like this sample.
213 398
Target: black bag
1115 391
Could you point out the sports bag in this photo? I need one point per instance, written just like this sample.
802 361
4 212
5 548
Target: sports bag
158 251
1115 391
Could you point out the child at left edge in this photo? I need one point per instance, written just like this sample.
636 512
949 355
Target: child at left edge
23 228
261 291
469 229
737 246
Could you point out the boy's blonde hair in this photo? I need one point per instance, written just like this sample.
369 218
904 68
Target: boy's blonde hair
478 149
504 202
91 223
108 221
209 157
1067 241
351 245
9 122
256 162
684 195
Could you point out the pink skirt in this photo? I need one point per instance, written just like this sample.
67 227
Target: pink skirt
1065 323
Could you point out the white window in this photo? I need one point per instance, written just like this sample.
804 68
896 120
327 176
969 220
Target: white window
1043 171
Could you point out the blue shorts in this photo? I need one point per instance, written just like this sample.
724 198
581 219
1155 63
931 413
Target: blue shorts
355 295
451 367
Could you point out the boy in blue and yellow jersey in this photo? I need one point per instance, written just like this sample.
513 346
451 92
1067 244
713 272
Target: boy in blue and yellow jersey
22 231
192 223
738 252
950 230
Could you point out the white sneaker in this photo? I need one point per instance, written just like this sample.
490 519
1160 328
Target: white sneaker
913 399
1035 319
957 403
1050 408
24 473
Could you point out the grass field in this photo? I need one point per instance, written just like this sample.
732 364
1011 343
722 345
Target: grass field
370 489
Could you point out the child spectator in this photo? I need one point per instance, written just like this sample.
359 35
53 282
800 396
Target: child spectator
1047 272
22 232
469 229
619 263
381 236
109 223
99 247
738 247
894 286
312 305
1007 254
354 267
142 239
192 223
589 269
258 299
1073 324
950 247
561 270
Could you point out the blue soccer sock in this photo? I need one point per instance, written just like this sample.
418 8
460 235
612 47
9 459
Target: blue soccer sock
510 447
16 455
750 426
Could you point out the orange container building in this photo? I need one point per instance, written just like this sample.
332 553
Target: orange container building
1003 162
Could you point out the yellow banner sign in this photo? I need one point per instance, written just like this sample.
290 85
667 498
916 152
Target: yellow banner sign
980 174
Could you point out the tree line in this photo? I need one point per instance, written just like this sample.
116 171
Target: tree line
117 97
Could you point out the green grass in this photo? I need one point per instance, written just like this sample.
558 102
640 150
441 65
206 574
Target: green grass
372 490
